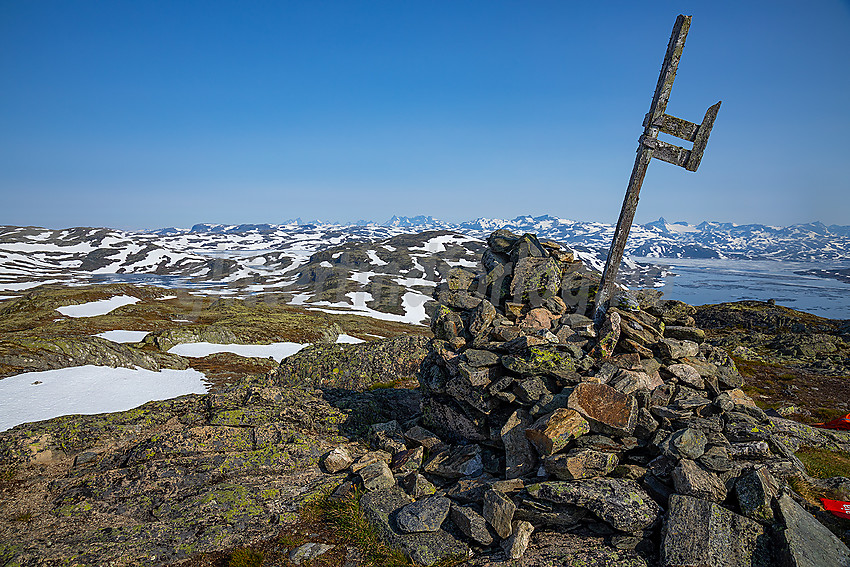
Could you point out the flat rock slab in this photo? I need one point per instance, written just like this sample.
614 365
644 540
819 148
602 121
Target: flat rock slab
609 411
425 515
426 548
699 533
807 542
620 502
552 549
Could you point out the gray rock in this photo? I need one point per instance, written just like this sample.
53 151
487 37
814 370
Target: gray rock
520 458
425 515
460 300
530 390
527 245
376 476
459 279
417 485
481 318
630 381
672 349
754 450
425 548
687 374
692 480
622 503
502 240
308 552
369 458
455 462
446 323
479 358
542 513
535 279
684 444
806 542
694 334
471 524
755 492
387 437
646 424
423 437
446 420
472 489
716 458
581 463
499 510
698 533
408 460
337 460
515 546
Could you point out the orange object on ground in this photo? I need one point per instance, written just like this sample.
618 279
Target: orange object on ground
838 508
839 423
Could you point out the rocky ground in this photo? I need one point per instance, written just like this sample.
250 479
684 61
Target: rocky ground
233 477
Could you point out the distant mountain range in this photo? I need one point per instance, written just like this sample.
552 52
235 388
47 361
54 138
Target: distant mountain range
662 239
337 265
658 239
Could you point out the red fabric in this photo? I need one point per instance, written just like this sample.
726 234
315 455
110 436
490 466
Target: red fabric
840 509
840 423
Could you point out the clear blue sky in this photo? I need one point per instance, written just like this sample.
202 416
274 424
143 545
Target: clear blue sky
165 113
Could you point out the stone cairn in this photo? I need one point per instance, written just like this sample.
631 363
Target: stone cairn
533 419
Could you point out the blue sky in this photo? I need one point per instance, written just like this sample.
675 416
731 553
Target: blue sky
167 113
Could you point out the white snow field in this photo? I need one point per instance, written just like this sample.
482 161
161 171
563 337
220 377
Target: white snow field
95 308
277 351
34 396
122 336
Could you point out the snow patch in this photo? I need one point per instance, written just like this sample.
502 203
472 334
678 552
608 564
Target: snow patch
95 308
277 351
34 396
122 336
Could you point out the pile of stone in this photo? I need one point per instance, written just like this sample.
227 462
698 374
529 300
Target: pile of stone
534 418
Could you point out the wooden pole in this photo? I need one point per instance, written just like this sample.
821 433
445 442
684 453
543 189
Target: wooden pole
650 146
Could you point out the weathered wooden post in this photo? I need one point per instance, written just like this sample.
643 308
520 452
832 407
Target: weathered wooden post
649 146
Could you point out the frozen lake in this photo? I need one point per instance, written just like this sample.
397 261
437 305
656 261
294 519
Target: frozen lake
702 281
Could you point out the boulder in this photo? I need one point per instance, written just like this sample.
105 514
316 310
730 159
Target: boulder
581 463
471 524
622 503
376 476
608 410
456 462
553 431
387 437
535 279
520 459
425 515
425 548
755 492
337 460
805 541
699 533
499 510
684 444
692 480
515 546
